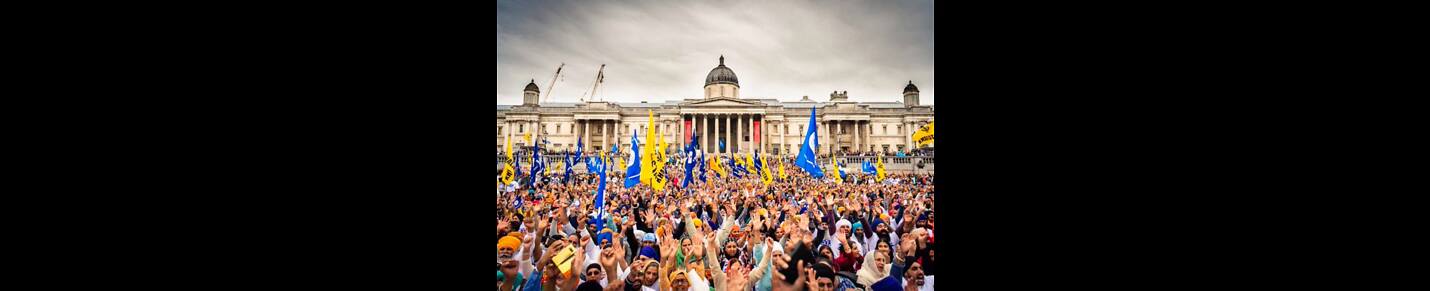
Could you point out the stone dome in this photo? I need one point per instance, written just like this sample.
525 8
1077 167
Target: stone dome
722 75
531 86
911 88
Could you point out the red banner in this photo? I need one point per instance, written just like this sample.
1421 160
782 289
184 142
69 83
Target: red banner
757 134
687 130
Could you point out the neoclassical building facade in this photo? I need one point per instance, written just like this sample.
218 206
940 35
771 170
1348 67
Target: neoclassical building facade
745 124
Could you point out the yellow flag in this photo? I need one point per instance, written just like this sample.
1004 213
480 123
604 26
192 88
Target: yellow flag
660 149
924 136
507 172
528 137
647 149
834 171
766 168
880 169
783 177
718 166
659 180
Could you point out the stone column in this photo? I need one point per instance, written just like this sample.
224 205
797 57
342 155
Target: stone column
857 126
698 124
729 133
719 122
784 131
908 137
823 137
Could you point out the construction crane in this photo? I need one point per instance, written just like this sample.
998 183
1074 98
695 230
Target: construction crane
552 86
600 76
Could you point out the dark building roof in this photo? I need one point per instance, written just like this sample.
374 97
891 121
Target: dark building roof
911 87
722 75
531 86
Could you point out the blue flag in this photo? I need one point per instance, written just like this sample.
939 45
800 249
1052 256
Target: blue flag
702 166
722 144
806 158
601 199
580 144
593 164
839 167
759 165
869 167
570 161
633 165
690 159
536 165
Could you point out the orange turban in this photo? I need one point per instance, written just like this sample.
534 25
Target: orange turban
509 242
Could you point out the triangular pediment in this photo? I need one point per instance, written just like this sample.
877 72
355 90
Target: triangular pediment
714 102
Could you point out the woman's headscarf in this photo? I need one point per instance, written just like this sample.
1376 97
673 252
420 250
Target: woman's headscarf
868 275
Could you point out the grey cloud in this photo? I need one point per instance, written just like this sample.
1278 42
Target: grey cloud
662 50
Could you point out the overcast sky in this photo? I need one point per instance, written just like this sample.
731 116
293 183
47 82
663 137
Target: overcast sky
662 50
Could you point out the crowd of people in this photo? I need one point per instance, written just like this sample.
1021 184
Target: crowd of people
724 233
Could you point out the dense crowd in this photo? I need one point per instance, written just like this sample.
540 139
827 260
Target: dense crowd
724 233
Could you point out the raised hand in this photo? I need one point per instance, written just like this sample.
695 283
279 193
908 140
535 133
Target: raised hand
608 257
735 277
800 282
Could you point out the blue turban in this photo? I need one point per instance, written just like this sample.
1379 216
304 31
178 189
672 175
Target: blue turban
649 236
857 225
649 253
602 238
876 223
